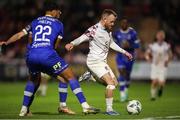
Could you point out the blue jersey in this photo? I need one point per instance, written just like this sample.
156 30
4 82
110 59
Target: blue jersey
45 31
129 36
41 55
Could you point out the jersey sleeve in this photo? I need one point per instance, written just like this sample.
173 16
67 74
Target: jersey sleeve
136 41
90 32
115 47
27 29
61 31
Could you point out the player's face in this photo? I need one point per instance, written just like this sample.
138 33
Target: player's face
56 13
109 22
124 24
160 36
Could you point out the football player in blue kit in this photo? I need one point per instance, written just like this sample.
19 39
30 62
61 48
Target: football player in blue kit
41 56
126 38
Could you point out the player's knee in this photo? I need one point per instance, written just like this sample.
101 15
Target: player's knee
35 78
122 72
111 87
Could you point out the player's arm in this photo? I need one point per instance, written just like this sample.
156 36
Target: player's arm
76 42
136 43
89 34
14 38
57 43
115 47
170 57
148 54
18 35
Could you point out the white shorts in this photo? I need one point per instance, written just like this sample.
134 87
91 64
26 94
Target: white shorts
99 68
158 72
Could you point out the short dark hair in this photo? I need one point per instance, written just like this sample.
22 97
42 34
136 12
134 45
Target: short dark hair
107 12
49 6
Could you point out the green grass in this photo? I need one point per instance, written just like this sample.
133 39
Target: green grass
11 95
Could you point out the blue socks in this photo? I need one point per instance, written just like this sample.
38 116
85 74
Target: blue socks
122 83
63 89
75 87
29 91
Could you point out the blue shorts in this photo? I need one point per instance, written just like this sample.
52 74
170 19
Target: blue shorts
45 61
123 62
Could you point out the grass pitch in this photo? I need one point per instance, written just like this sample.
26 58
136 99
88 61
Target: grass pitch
168 106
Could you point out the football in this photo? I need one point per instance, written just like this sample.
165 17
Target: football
134 107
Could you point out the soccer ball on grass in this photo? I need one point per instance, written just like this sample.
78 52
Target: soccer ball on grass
134 107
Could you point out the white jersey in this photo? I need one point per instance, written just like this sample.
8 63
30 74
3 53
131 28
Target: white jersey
99 43
100 40
159 53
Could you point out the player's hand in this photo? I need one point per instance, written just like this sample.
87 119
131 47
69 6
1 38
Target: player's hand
2 43
3 47
69 46
129 56
148 58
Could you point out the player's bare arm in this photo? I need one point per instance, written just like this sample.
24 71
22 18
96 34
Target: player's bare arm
148 55
14 38
57 43
170 57
3 42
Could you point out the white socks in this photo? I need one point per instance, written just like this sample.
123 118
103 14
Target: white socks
62 104
43 89
153 92
85 105
109 104
123 93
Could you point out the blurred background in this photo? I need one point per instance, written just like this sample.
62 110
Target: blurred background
145 16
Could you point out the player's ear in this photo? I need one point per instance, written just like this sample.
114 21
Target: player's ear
53 12
104 19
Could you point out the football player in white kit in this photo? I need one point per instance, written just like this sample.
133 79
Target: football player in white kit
159 54
100 40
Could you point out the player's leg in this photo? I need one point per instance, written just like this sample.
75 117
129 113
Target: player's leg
86 76
121 78
161 87
68 75
154 82
58 67
122 84
111 85
63 92
105 74
43 85
30 89
154 85
162 81
129 65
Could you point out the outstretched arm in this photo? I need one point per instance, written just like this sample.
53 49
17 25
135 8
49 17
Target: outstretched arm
169 58
14 38
148 54
76 42
115 47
